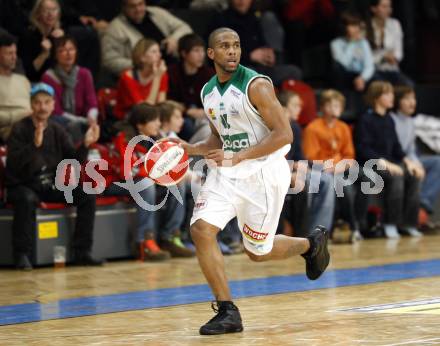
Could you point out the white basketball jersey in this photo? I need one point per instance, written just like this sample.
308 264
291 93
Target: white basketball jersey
237 121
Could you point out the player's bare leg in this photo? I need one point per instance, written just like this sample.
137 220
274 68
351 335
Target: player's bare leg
210 258
228 319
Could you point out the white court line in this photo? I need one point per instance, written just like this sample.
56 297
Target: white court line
417 342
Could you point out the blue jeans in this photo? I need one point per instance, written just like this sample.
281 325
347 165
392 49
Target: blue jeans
172 214
322 203
146 220
431 185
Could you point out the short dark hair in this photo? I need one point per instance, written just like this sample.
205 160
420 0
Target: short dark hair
400 92
61 42
167 108
284 96
142 113
189 41
217 32
350 18
6 39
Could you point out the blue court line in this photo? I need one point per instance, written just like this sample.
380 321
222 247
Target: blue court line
86 306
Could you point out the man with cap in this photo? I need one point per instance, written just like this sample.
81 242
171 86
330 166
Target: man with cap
36 146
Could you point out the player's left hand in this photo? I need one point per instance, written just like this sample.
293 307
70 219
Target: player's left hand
223 158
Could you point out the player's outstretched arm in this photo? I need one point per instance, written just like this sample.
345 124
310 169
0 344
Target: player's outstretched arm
263 98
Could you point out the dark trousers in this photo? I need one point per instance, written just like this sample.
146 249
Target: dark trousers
400 198
25 201
346 206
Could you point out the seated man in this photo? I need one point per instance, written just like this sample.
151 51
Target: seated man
376 139
405 105
257 53
35 148
14 88
187 79
136 21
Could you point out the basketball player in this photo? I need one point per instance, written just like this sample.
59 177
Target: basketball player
250 138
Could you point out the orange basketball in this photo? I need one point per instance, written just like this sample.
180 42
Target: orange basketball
166 163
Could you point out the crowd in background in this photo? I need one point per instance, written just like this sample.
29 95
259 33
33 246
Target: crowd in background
106 71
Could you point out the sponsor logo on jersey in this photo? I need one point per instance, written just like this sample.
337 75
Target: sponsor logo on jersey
233 111
254 236
235 93
224 120
236 142
211 113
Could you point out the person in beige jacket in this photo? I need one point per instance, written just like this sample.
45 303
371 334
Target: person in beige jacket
137 20
14 88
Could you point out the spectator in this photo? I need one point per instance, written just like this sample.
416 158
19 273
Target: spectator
144 120
35 148
255 50
306 210
386 38
75 97
82 20
329 138
187 79
14 88
146 82
376 139
171 119
352 56
136 21
36 42
405 105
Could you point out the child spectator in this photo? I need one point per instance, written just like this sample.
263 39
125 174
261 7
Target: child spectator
405 105
171 118
329 138
376 139
352 56
317 206
75 97
187 79
144 120
36 42
146 82
14 88
386 39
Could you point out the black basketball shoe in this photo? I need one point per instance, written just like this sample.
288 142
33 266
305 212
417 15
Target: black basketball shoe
227 320
318 257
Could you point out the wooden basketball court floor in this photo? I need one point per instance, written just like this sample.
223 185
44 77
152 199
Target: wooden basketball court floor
377 292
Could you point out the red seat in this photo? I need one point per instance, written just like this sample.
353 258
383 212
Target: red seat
52 206
307 95
106 200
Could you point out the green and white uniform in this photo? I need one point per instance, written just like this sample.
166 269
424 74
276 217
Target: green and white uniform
253 190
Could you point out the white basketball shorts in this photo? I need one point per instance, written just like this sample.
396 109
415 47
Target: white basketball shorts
256 201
